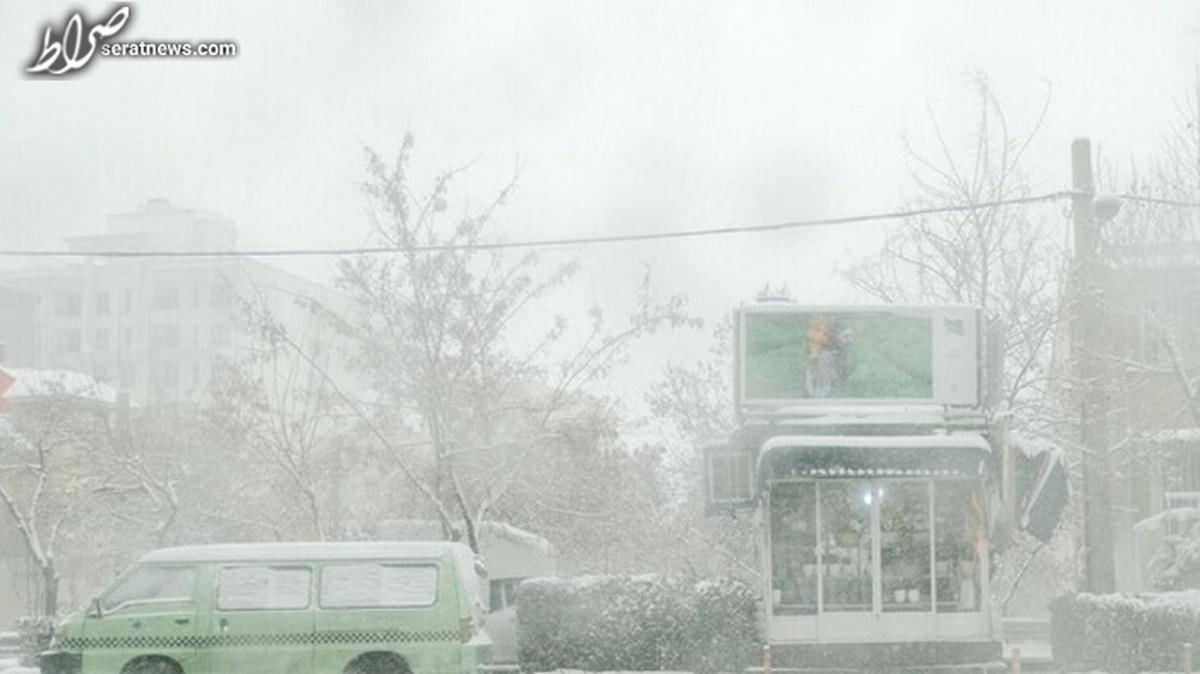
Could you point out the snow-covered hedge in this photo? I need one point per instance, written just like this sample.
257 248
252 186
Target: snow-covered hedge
34 633
1124 633
1177 565
643 623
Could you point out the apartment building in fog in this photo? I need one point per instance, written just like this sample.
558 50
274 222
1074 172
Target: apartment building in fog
153 326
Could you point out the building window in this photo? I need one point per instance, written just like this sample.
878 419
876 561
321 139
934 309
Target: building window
102 303
68 341
166 298
1183 467
127 301
1150 342
165 336
220 297
101 341
166 376
67 305
1181 507
127 337
221 336
128 376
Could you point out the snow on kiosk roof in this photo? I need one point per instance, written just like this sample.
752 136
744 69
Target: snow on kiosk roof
315 551
882 443
830 455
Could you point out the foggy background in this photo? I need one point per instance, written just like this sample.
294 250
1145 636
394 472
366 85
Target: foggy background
614 118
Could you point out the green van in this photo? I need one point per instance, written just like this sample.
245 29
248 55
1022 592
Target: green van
276 608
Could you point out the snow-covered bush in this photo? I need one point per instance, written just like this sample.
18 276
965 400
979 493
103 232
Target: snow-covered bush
646 623
1124 633
1177 566
34 633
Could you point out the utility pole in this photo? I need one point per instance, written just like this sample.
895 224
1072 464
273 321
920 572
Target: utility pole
1086 329
1197 127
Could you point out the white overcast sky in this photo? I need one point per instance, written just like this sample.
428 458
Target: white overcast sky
623 117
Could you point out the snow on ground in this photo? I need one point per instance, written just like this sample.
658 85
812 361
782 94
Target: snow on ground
10 666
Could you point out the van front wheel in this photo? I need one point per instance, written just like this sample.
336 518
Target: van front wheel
151 666
377 663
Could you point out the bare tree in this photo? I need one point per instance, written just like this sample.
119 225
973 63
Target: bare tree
989 254
991 250
284 410
460 406
695 400
48 448
175 477
147 489
604 505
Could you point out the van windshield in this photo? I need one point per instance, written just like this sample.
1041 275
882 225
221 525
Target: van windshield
151 583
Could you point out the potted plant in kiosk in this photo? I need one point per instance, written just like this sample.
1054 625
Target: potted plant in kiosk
959 550
901 540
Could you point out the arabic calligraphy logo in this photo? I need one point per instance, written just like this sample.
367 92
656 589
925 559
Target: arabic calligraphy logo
69 53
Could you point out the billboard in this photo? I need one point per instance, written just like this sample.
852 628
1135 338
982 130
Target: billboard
789 354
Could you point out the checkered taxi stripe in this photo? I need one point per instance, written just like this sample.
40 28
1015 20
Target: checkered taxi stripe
326 638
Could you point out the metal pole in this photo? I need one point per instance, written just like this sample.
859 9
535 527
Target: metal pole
766 658
1187 658
1100 575
1015 661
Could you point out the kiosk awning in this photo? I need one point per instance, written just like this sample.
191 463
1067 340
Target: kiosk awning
871 456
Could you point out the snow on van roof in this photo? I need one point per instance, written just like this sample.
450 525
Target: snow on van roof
297 551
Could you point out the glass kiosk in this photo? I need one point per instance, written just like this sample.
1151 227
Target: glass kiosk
862 447
876 539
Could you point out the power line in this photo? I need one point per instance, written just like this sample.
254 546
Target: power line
1156 200
541 243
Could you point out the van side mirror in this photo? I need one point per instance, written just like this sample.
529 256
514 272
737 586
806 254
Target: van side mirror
94 610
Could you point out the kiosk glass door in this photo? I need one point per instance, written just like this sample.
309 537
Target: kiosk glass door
905 553
893 557
847 552
794 556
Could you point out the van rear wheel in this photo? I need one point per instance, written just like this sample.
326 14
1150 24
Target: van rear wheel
377 663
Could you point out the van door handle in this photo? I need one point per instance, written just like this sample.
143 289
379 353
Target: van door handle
224 625
182 621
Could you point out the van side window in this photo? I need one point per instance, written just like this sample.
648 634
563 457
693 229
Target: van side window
378 585
249 588
152 583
